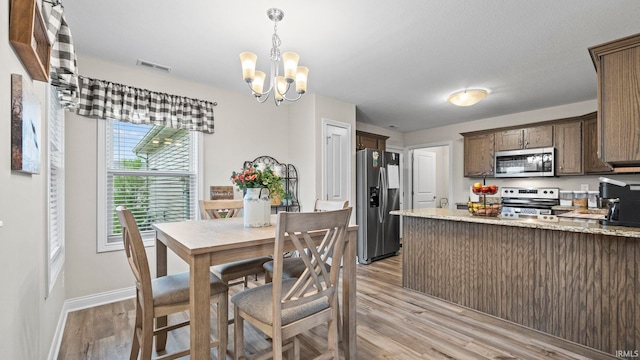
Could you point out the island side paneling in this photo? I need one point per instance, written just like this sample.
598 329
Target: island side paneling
578 286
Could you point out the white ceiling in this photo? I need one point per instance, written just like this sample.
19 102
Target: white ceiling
397 61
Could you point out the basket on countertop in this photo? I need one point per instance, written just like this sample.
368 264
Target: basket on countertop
482 209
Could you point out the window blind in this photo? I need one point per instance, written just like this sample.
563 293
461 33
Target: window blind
151 171
56 172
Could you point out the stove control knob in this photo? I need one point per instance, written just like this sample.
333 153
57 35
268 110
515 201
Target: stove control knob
545 191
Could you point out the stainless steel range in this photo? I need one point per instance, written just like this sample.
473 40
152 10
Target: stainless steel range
528 202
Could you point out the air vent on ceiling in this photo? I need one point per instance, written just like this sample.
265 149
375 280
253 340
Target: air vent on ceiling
149 64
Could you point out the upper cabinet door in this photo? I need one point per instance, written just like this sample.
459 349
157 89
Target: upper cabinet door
365 140
592 164
478 155
509 140
538 137
568 143
618 67
525 138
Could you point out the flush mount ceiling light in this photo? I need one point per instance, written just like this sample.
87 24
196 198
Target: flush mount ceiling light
467 97
279 84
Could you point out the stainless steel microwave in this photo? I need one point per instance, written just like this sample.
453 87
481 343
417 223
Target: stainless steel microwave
525 163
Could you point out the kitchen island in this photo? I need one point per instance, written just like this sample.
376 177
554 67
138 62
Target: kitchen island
571 278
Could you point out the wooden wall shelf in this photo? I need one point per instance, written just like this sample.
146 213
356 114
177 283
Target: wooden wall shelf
28 36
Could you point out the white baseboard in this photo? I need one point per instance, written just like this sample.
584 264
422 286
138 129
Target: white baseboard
108 297
85 302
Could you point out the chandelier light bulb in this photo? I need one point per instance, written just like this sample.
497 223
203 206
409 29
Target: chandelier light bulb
301 79
281 87
258 83
290 61
248 61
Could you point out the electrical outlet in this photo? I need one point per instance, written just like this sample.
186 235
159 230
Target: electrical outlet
584 187
1 223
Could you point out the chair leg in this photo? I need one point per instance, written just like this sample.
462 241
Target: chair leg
276 344
332 333
147 337
294 351
135 344
223 325
267 277
161 338
238 331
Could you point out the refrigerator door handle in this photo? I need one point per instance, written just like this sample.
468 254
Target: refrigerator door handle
384 194
380 196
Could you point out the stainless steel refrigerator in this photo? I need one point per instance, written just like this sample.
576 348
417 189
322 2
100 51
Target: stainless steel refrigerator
377 193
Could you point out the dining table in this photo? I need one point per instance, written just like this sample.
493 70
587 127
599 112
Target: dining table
204 243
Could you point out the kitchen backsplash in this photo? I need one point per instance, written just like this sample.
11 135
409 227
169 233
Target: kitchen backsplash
562 183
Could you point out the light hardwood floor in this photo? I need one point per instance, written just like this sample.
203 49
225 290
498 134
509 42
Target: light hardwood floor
393 323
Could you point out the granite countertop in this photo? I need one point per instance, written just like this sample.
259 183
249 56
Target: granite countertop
554 222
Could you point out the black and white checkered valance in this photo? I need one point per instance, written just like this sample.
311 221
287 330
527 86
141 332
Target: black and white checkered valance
109 100
63 66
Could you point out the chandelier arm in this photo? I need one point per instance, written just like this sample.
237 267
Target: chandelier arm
262 93
261 99
295 99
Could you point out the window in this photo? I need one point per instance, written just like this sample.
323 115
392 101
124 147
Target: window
152 170
55 191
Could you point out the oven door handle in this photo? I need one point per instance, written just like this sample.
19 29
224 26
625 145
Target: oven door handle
529 201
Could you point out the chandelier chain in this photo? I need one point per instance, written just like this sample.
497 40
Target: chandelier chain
275 43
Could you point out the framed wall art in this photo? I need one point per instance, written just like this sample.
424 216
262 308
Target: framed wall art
25 127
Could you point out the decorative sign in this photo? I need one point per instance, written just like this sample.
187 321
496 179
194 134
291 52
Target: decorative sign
221 192
25 127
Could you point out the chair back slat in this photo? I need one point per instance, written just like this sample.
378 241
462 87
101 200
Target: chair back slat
328 205
316 281
134 250
217 209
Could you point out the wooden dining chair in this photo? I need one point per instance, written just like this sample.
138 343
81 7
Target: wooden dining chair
285 308
162 296
294 266
224 209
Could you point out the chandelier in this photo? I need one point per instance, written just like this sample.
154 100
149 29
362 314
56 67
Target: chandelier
278 84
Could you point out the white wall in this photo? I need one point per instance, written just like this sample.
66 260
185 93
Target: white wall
452 132
28 319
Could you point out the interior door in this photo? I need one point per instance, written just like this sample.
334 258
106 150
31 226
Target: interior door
424 179
337 171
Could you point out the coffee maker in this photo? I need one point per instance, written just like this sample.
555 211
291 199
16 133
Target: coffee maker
624 202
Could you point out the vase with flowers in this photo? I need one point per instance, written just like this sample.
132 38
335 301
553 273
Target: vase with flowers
258 184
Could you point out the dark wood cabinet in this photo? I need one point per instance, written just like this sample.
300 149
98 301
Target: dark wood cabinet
365 140
478 154
568 143
524 138
593 164
618 68
574 138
